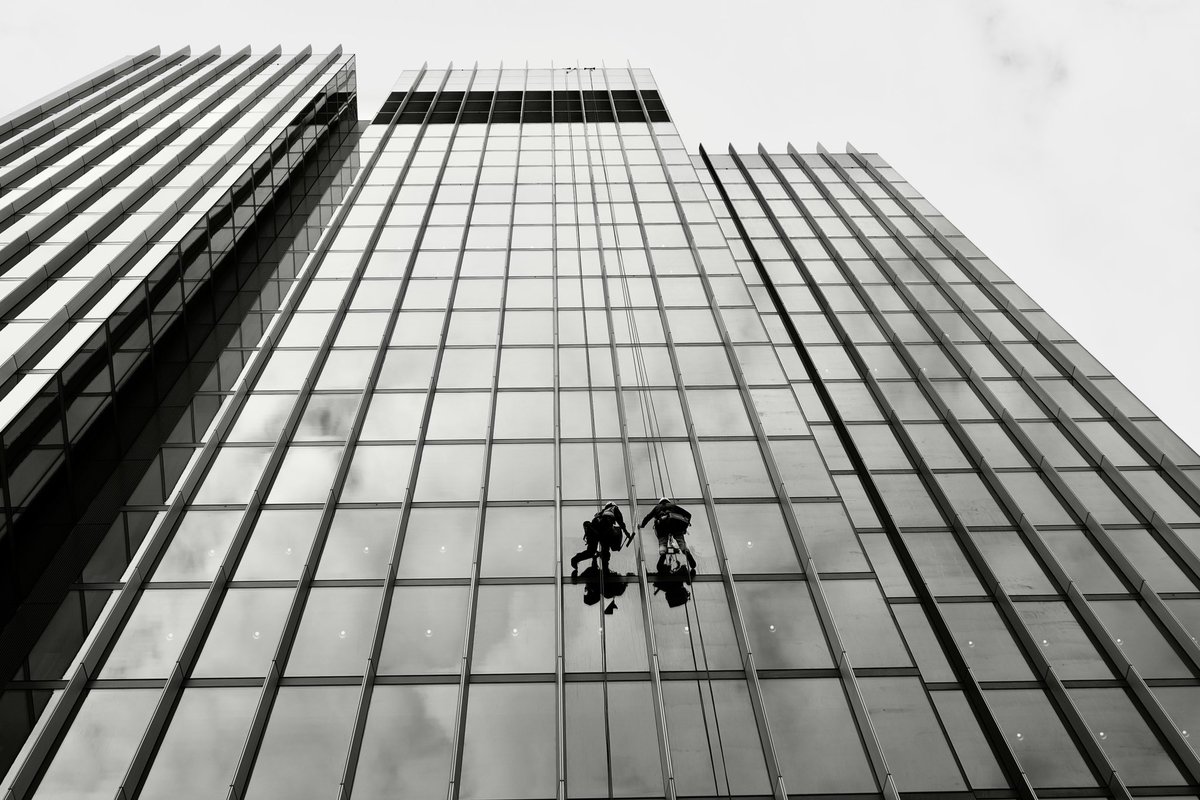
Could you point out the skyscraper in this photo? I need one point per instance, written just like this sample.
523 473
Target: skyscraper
939 549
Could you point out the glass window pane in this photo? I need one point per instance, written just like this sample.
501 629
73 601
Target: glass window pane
305 475
327 417
150 642
378 474
521 472
756 538
261 418
524 415
830 537
1034 731
968 741
304 747
335 631
244 636
910 735
942 563
200 749
359 543
438 543
629 753
425 630
407 748
233 475
393 417
95 751
715 747
278 546
198 546
459 415
985 641
785 632
1140 639
864 624
514 629
518 542
697 635
508 744
816 740
735 469
1125 736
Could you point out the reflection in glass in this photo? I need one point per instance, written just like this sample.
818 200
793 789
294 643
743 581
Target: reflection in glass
815 737
151 640
304 747
1042 744
521 472
755 538
785 632
514 629
407 748
232 476
449 472
425 630
508 745
622 745
359 543
95 752
715 747
393 417
261 418
201 746
278 545
198 546
698 635
518 542
244 636
378 474
335 631
305 475
327 418
438 543
910 735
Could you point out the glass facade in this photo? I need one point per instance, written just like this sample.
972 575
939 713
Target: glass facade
938 549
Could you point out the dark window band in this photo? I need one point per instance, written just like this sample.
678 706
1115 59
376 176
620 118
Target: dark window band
540 106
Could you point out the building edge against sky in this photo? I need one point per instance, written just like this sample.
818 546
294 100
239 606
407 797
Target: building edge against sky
379 373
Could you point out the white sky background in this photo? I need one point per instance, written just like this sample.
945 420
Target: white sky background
1060 136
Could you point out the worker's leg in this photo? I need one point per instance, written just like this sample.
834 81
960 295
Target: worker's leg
589 551
681 541
662 547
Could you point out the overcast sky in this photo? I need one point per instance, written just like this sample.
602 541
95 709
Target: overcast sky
1062 137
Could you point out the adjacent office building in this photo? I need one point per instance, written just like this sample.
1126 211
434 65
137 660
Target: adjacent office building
302 416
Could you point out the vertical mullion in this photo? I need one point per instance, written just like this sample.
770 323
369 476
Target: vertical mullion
1156 455
928 602
812 578
106 629
380 627
304 584
1189 560
660 716
560 689
1074 598
489 432
1099 762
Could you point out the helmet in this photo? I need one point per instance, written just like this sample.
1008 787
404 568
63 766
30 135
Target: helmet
664 500
610 504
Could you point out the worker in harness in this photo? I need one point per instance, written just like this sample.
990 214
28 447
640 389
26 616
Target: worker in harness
603 533
670 522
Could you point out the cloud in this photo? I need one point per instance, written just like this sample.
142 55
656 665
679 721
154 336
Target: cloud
1015 49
